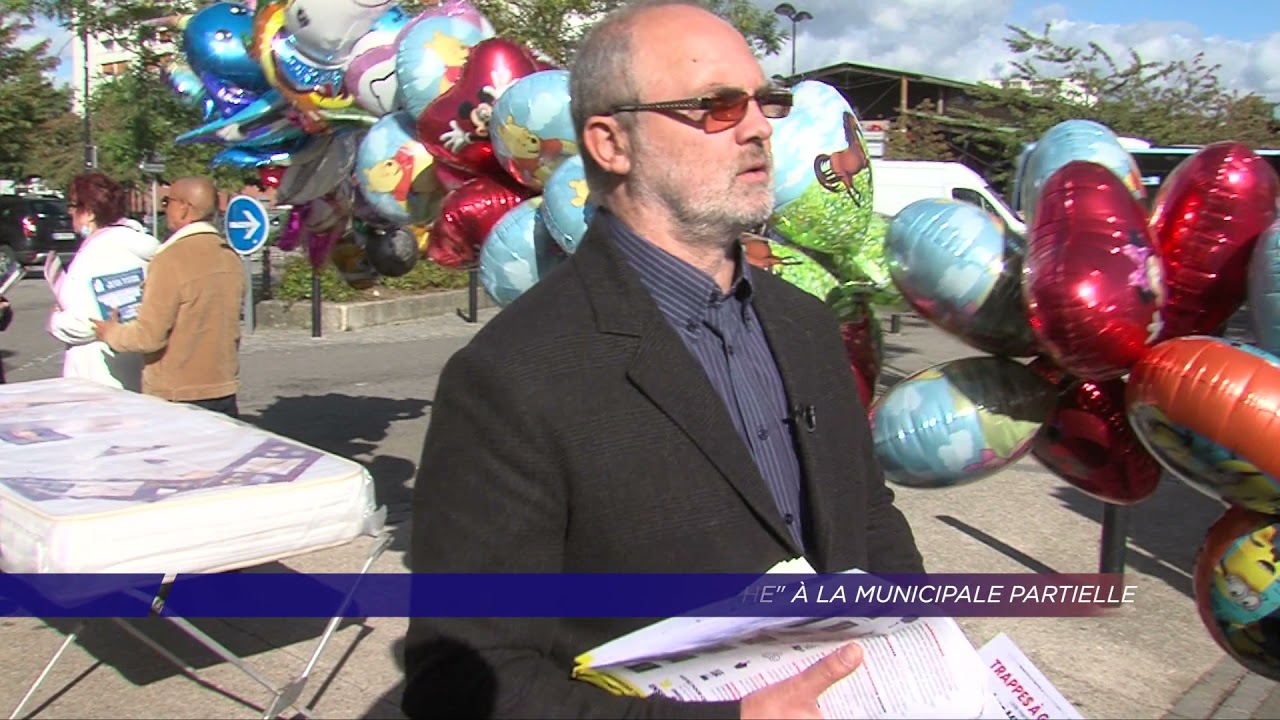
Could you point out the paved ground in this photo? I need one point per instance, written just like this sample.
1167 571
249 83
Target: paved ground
366 395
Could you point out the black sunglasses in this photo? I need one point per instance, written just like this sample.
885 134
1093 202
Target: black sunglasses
725 108
165 202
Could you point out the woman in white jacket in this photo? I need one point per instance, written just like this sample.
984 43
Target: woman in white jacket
104 276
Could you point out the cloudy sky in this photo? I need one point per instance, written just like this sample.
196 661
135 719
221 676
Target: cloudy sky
963 39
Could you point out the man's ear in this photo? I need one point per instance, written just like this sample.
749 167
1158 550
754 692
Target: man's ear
608 145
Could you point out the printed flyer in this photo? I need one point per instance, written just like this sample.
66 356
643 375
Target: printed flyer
121 292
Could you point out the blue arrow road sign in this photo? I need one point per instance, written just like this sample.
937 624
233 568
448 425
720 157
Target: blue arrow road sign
247 225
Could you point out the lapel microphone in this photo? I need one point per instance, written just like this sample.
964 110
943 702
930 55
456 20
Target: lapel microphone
803 414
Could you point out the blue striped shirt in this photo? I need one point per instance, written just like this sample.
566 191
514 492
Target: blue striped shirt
722 332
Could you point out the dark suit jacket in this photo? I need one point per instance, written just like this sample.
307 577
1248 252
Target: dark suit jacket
576 433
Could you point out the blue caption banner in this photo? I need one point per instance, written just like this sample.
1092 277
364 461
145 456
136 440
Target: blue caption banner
279 595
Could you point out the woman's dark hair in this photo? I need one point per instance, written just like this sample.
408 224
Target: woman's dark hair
99 194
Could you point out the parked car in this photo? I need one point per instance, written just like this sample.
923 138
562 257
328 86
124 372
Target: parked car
35 225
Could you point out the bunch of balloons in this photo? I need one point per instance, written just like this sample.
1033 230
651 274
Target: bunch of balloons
375 127
1104 356
396 138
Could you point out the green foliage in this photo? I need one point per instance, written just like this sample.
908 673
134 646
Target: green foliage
295 283
123 20
31 108
1177 102
427 275
919 136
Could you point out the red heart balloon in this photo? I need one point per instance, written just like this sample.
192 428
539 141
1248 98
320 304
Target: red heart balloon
1093 280
466 217
861 340
1087 440
270 176
459 118
1206 219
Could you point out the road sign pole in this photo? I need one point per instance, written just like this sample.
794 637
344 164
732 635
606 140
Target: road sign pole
249 319
155 218
247 227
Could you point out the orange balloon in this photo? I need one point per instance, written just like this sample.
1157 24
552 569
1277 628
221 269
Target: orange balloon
1209 410
1237 591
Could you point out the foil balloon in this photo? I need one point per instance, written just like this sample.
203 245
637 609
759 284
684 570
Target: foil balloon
1237 591
326 30
532 129
517 253
1094 283
959 421
1264 290
789 263
868 264
467 215
958 270
433 48
1206 219
184 81
391 251
250 158
263 120
566 205
215 42
371 81
270 176
822 172
460 116
862 335
351 262
384 33
1087 440
314 92
452 178
326 168
1073 140
1208 410
227 99
393 172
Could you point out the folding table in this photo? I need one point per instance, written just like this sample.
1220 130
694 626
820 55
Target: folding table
99 480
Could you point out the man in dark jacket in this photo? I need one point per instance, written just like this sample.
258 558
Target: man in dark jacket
652 405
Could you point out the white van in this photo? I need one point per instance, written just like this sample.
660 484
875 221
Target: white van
898 183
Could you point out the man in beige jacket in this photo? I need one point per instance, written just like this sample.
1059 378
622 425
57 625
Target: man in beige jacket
188 325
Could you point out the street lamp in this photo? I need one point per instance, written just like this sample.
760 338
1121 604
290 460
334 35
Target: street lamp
787 11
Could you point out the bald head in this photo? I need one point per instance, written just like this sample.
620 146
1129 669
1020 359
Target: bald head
191 199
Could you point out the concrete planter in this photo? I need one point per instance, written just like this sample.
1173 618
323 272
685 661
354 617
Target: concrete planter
341 317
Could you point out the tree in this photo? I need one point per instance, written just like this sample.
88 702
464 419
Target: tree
136 114
122 20
29 102
556 27
919 136
1177 102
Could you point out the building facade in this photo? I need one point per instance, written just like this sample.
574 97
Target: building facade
106 58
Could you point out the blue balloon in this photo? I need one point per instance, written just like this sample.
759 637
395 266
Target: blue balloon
215 41
432 52
566 207
1264 290
532 128
250 158
963 272
394 173
815 126
959 421
263 114
1076 140
517 253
